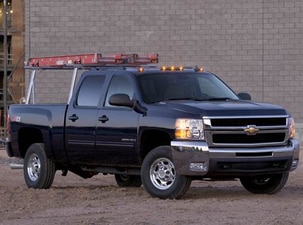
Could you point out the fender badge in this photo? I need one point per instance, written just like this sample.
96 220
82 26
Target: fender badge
16 119
251 130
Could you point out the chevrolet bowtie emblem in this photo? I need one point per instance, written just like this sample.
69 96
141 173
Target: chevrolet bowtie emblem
251 130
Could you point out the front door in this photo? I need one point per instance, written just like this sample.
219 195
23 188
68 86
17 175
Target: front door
117 127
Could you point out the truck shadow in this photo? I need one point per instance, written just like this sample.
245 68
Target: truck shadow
198 189
236 191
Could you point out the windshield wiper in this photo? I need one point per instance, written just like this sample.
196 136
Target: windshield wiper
185 98
195 99
220 99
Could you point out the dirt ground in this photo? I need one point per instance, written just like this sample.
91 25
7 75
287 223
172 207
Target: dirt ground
73 200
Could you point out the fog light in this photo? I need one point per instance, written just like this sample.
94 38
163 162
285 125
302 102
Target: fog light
198 166
294 163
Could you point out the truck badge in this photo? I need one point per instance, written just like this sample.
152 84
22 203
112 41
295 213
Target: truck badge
251 130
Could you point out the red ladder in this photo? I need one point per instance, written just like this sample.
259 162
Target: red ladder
93 59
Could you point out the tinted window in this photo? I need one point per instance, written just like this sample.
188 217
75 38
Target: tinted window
119 85
90 91
183 86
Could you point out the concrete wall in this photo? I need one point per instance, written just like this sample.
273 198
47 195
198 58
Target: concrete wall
255 46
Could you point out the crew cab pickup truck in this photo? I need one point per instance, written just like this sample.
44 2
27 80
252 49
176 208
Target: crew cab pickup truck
158 126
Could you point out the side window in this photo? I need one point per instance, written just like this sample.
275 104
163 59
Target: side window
90 91
119 85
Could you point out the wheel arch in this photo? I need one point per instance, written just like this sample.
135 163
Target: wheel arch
28 136
151 139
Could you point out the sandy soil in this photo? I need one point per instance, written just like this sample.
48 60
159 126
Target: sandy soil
73 200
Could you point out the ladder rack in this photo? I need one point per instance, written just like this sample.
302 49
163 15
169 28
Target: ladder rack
82 61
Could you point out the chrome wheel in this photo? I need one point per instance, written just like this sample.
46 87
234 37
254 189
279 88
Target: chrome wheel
159 175
34 167
162 173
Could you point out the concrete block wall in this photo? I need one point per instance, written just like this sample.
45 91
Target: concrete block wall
255 46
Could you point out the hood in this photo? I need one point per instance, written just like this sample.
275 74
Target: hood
224 108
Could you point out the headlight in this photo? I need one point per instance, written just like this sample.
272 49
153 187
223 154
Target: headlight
190 129
291 127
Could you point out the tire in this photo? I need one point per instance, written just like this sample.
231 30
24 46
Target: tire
39 171
265 184
124 180
159 175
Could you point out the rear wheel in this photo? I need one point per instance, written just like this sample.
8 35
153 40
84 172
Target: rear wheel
159 175
39 171
124 180
265 184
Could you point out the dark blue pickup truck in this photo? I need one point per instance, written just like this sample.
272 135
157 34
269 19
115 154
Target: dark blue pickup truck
162 127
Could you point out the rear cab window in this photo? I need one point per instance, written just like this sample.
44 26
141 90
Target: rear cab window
90 91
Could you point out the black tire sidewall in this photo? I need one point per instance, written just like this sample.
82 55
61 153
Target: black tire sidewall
46 177
275 183
128 181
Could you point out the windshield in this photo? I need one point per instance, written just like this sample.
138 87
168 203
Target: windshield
183 86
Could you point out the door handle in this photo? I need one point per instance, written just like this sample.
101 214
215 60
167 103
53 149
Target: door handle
103 118
73 117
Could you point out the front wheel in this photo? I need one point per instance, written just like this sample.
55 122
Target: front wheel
265 184
39 171
159 175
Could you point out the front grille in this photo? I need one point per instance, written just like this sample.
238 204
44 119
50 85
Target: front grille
248 139
248 121
235 132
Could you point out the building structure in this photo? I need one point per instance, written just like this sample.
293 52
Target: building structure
14 32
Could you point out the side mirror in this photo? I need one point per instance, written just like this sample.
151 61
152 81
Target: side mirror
244 96
124 100
121 100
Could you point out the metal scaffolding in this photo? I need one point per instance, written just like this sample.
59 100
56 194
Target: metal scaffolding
5 61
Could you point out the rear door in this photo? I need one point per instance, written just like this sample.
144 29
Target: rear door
81 119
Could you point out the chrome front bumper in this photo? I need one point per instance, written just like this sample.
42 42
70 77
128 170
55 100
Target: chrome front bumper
197 159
